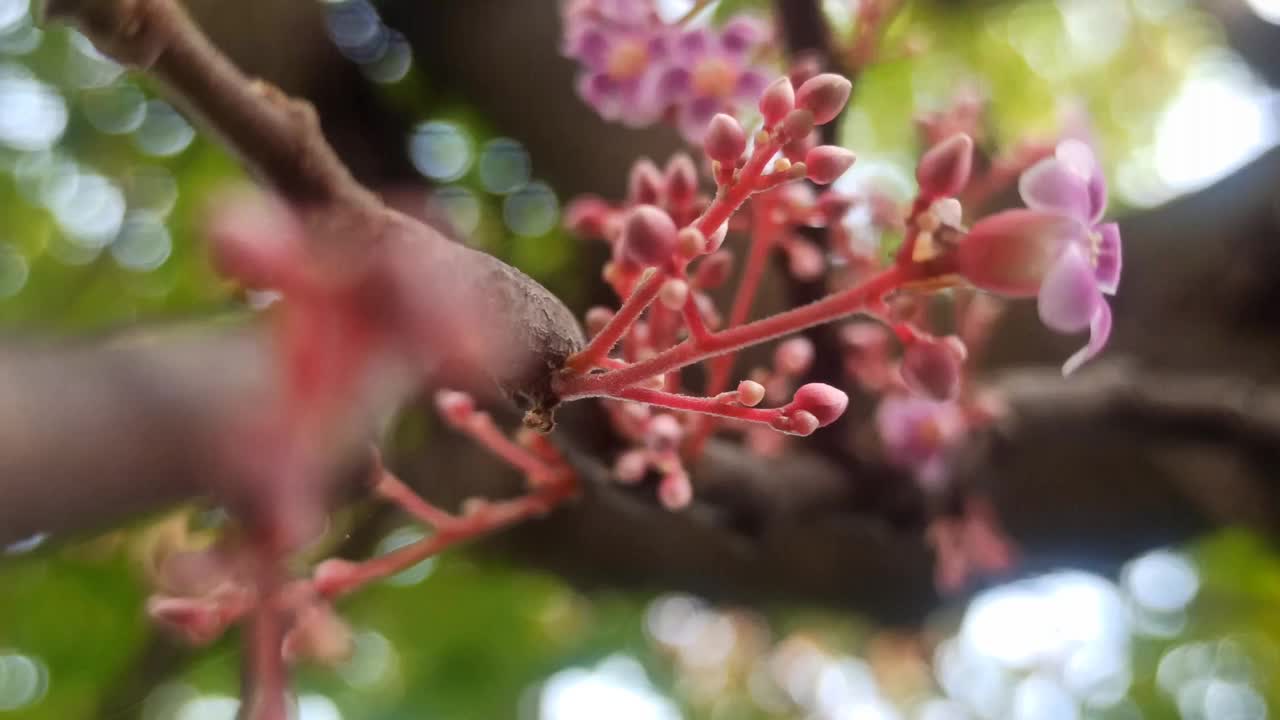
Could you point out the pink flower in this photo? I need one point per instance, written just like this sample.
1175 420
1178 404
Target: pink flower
637 71
1056 249
619 44
709 71
917 433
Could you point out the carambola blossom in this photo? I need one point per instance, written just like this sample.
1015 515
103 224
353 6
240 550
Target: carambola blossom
1056 249
638 70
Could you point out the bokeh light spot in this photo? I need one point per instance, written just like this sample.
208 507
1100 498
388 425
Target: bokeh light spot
33 115
23 680
371 663
440 150
116 109
12 12
13 277
455 207
617 689
317 707
164 132
1162 581
397 539
531 211
143 243
504 166
209 707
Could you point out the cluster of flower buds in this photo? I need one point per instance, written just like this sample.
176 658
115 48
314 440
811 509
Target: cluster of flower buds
659 451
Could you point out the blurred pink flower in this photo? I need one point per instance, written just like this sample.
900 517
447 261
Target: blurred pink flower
637 70
916 434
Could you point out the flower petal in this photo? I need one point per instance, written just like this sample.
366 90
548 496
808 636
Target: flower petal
1108 264
692 118
1053 186
741 35
694 44
1010 252
1079 157
751 83
1099 332
1069 296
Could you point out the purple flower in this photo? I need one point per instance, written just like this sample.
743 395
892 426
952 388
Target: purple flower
619 44
636 70
916 434
709 72
1057 249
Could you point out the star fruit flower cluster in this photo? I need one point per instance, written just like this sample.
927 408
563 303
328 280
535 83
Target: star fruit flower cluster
638 70
667 250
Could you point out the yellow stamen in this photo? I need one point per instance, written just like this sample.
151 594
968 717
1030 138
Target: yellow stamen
628 60
714 77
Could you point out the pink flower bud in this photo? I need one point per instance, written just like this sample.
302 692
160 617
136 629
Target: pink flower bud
834 206
725 140
597 317
944 170
648 237
630 467
750 393
681 180
319 635
713 271
334 576
587 217
690 243
644 184
793 357
674 490
825 96
934 367
797 125
663 434
826 163
198 620
455 407
1010 253
805 260
777 100
673 294
824 402
256 241
800 422
796 150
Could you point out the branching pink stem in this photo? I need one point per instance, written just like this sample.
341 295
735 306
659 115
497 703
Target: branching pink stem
763 240
482 428
704 405
726 203
392 489
686 353
487 518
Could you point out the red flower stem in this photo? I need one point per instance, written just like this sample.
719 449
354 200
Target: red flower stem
693 320
482 428
704 405
618 325
727 201
763 240
686 353
486 519
264 637
392 489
